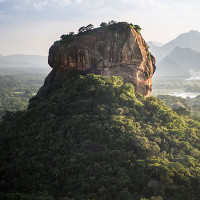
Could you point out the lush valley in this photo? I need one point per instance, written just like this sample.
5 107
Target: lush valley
178 92
93 138
20 78
17 89
176 86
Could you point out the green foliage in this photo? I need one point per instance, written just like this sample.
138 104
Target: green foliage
137 28
93 138
149 55
22 196
103 24
120 26
181 111
183 106
89 29
112 22
58 42
66 39
153 198
85 29
17 89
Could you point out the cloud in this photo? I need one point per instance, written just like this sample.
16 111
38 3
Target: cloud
78 1
145 3
40 4
187 7
1 1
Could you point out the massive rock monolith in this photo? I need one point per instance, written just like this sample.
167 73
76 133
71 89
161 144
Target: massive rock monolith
108 51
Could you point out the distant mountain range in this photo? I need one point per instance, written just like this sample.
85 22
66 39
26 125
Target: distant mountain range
24 63
180 57
180 62
154 43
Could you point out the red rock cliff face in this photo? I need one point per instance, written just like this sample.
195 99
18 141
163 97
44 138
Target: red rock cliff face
108 53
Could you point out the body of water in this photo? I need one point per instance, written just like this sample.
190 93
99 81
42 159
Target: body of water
185 94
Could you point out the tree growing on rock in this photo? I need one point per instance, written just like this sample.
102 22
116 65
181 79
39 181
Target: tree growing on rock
89 27
82 29
138 28
112 22
103 24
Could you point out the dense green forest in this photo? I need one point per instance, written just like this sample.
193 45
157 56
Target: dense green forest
94 138
190 105
17 89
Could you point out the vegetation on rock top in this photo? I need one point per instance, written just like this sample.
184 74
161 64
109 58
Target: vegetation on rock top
111 26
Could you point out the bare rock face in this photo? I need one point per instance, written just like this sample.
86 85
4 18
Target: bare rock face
103 52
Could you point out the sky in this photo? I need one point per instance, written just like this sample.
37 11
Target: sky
31 26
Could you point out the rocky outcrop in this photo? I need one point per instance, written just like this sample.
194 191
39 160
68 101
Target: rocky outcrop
120 52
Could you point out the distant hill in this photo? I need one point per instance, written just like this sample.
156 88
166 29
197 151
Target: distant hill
179 57
180 62
157 44
23 63
186 40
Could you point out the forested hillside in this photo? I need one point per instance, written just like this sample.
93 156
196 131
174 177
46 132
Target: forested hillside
94 138
188 105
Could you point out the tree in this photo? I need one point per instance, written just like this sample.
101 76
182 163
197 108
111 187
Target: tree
112 22
138 28
82 29
89 27
63 37
103 24
182 111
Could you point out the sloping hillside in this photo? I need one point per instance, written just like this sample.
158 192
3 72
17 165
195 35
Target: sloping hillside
94 138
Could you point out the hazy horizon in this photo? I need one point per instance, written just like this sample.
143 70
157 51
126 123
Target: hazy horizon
31 26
